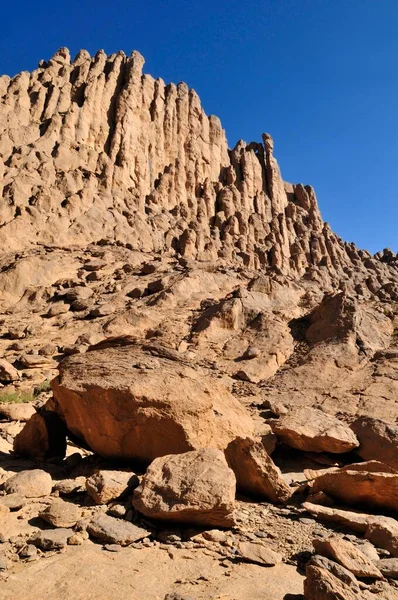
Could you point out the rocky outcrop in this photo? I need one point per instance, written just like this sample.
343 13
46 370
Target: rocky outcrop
92 148
195 487
136 403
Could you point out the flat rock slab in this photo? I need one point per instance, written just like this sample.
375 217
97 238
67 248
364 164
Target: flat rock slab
109 530
146 574
259 554
348 555
52 539
13 501
378 490
31 484
312 430
381 531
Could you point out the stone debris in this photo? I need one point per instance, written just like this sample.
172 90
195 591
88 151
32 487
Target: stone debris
115 531
61 514
105 486
52 539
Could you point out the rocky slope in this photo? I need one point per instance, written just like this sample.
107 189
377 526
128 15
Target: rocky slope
205 333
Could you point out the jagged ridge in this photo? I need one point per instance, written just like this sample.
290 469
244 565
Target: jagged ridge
94 149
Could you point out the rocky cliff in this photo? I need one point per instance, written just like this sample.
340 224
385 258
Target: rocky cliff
93 150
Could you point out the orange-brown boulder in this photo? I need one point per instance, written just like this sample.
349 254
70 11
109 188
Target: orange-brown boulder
312 430
134 403
378 440
255 471
378 490
196 487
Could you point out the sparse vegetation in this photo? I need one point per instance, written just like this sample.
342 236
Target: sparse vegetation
42 387
24 396
16 397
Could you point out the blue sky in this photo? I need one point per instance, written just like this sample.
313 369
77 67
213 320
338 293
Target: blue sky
320 75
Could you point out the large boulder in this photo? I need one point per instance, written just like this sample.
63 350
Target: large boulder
378 490
312 430
256 473
196 487
143 402
377 440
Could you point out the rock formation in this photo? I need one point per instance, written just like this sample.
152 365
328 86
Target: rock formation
194 315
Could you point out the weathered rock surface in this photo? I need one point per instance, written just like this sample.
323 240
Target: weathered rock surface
348 555
61 514
31 484
8 373
335 569
256 473
381 531
312 430
17 412
107 529
131 403
196 487
259 553
105 486
388 567
379 490
377 440
321 584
